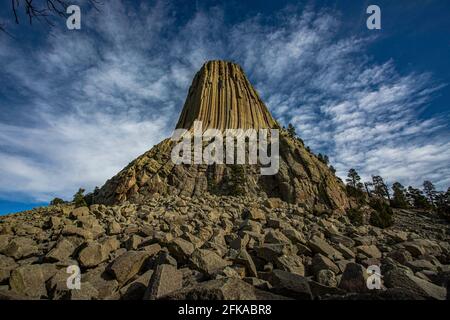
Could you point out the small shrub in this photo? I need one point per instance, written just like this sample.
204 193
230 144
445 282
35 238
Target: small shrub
238 181
355 216
356 193
57 201
383 216
78 199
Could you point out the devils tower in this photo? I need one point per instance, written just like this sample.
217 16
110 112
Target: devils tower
222 97
160 230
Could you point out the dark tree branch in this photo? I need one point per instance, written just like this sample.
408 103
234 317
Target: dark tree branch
43 10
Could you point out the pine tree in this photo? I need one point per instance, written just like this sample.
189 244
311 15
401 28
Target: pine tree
399 197
430 191
367 186
78 198
416 198
380 188
443 203
57 201
353 178
320 157
291 131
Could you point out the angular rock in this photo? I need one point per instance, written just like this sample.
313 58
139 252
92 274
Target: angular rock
29 281
7 264
133 242
294 235
58 289
128 265
61 252
223 289
254 214
270 252
320 290
369 251
79 212
420 265
86 292
321 262
164 280
135 290
114 228
403 278
207 261
245 259
75 231
346 252
319 245
276 237
181 249
354 278
291 263
240 242
290 285
20 247
4 241
102 281
326 278
93 254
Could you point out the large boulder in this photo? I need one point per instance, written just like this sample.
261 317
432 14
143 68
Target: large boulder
289 284
404 278
20 248
7 264
128 265
97 252
318 245
207 261
135 290
61 252
354 278
29 280
164 280
222 289
105 283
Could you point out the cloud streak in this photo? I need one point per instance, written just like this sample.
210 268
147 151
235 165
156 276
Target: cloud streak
86 103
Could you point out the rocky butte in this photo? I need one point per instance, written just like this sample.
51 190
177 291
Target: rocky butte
158 230
222 98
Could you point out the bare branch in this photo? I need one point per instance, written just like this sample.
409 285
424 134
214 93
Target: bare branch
43 10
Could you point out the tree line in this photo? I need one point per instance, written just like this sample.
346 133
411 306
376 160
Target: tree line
427 198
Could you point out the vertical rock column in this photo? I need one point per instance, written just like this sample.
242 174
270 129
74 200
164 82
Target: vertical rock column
222 98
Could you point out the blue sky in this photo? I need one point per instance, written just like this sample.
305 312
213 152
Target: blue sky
77 106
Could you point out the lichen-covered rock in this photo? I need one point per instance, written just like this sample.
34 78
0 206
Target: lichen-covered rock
30 280
20 247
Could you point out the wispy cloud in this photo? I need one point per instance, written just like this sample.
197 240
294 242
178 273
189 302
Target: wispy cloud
86 103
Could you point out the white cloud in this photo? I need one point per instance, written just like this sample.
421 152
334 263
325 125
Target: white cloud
91 101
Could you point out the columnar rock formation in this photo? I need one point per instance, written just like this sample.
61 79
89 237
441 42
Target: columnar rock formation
222 231
222 97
